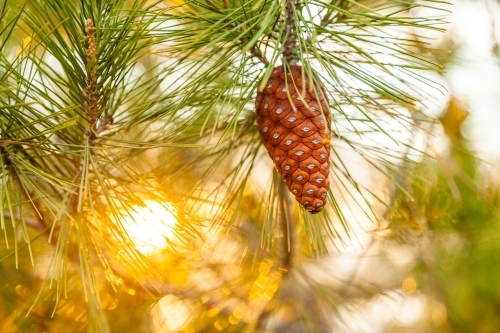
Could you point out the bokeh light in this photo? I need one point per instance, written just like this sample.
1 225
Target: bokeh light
171 314
150 226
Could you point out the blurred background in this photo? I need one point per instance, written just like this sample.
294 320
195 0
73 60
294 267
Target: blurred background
429 263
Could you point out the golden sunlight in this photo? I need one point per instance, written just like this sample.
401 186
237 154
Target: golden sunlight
150 226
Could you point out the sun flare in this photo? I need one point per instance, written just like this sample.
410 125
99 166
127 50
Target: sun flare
150 226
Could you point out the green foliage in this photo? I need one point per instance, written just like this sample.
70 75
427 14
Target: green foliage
459 266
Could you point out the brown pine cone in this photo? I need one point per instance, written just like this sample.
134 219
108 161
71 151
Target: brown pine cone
294 123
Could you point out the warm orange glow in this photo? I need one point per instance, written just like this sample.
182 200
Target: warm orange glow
439 313
409 285
150 226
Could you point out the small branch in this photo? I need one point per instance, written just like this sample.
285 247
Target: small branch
106 122
339 16
90 134
91 81
290 40
257 53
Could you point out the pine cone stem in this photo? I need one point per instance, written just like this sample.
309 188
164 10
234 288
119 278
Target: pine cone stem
290 41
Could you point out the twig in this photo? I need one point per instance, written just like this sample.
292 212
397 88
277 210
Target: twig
90 134
289 40
105 123
257 53
91 82
328 19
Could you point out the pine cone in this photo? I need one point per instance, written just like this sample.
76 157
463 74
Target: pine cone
294 123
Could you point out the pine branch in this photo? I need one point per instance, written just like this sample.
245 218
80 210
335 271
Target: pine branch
99 83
